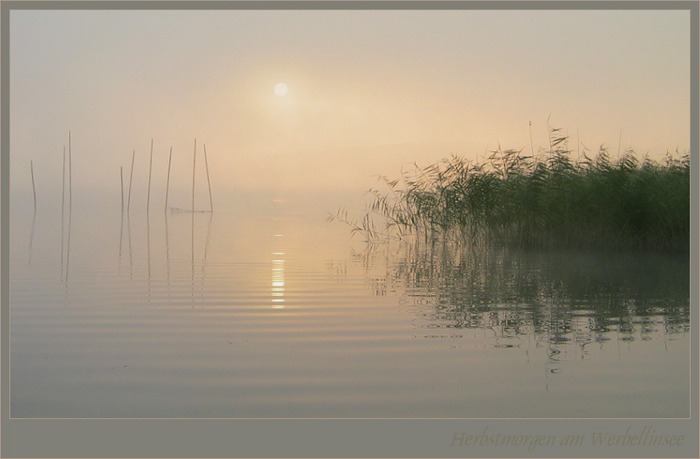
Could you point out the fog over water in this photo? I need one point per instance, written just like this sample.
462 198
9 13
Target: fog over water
254 306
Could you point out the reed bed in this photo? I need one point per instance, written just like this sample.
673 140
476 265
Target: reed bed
554 198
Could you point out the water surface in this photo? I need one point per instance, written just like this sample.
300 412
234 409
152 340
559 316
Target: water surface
275 313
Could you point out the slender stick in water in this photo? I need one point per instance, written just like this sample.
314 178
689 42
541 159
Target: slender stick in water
63 206
31 167
206 164
70 181
532 146
70 220
150 168
31 239
192 259
131 180
194 168
131 254
167 182
63 189
167 250
148 252
70 202
206 248
121 178
121 236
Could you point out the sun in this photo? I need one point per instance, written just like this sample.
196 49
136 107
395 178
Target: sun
281 89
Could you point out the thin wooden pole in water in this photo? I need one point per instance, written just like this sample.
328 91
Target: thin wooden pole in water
31 168
131 254
31 238
70 180
148 252
192 258
206 244
167 182
206 164
167 250
131 180
121 232
206 249
63 189
63 206
150 168
194 168
70 202
70 220
121 179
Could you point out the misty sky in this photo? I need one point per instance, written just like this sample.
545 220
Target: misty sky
369 91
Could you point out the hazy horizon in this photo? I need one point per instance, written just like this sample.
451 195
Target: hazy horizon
369 92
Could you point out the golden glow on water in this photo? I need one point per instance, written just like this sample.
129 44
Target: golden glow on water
278 278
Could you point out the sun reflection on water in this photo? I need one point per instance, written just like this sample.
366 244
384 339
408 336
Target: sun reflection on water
278 280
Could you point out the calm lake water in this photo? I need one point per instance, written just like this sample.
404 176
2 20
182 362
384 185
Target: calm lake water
276 313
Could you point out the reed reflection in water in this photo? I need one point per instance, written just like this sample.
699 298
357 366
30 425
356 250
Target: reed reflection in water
557 297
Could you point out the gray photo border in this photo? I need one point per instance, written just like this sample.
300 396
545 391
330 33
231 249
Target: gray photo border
311 438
